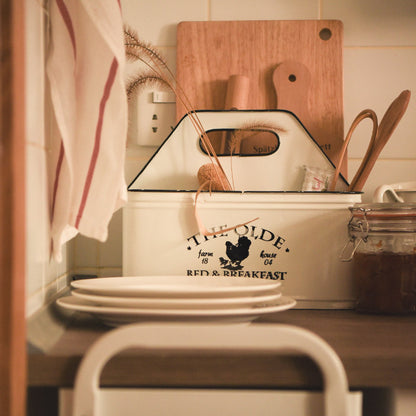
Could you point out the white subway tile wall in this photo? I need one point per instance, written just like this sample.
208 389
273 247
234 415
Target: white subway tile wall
155 21
43 278
379 62
264 10
374 22
373 77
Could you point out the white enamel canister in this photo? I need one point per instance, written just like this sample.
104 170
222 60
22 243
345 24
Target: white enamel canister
297 237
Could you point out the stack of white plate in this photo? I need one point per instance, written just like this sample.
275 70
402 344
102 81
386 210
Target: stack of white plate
122 300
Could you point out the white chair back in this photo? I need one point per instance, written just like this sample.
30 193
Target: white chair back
282 339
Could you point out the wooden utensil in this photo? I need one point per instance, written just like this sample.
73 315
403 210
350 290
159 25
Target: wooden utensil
238 89
379 137
358 119
387 125
292 81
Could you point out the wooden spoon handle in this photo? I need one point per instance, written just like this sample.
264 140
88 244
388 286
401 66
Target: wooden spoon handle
238 89
387 125
237 92
360 117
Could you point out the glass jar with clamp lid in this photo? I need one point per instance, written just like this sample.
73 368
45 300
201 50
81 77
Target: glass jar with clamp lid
382 247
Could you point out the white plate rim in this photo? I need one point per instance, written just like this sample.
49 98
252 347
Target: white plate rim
176 303
72 303
189 286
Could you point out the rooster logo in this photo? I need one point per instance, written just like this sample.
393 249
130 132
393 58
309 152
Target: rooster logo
236 254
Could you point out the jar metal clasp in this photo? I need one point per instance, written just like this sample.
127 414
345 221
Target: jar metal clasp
358 232
350 248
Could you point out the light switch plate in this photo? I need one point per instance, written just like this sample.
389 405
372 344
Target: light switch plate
149 101
156 116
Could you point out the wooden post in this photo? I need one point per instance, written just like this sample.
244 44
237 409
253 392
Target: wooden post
12 210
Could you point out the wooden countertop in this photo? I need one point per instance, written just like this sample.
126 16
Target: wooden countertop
377 351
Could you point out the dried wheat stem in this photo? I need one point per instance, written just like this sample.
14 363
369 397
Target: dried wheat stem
141 80
139 50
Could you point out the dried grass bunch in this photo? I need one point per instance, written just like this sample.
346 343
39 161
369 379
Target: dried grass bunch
158 73
211 176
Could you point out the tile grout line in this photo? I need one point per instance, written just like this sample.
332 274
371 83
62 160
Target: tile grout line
41 298
388 47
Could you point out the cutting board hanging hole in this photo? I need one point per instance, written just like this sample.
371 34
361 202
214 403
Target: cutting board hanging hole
292 78
325 34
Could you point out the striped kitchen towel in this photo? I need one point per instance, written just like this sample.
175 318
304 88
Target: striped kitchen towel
85 67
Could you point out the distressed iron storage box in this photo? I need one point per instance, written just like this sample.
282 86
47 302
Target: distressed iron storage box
297 237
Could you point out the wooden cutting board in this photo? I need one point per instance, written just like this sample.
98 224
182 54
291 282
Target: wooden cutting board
291 65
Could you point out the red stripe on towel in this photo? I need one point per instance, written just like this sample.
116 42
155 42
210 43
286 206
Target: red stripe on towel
57 175
107 89
68 23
